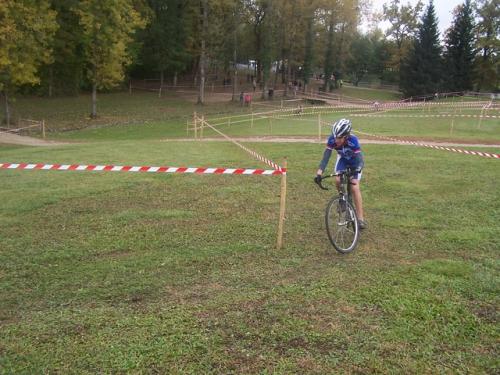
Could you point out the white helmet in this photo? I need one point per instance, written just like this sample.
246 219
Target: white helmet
342 127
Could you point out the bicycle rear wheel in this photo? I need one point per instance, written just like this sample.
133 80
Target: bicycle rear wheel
342 225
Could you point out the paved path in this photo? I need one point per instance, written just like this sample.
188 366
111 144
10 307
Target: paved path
15 139
281 139
9 138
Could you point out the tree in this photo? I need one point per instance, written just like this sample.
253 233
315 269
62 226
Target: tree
261 20
165 39
421 73
339 20
309 45
361 59
488 44
107 28
459 50
404 26
26 32
63 75
291 22
203 50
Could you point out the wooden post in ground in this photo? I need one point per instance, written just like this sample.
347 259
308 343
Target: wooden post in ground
453 120
251 124
319 127
43 129
281 222
130 87
202 124
480 118
187 128
195 126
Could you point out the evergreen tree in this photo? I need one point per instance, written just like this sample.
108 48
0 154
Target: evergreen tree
422 70
459 50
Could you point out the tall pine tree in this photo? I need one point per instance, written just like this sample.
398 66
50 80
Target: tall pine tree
421 73
459 50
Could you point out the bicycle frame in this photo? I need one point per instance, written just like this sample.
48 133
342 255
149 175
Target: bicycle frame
340 218
345 183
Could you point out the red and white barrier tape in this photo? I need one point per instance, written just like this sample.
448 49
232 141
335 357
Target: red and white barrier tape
461 151
253 153
422 116
119 168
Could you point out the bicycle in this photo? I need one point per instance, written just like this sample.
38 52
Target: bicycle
341 221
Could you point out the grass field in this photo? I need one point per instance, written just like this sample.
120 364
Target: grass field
140 273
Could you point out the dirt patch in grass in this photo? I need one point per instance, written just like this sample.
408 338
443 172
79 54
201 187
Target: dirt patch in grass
15 139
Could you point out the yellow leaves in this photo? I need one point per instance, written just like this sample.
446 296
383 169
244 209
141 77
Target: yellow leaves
108 26
26 32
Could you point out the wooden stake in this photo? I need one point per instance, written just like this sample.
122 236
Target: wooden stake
281 222
251 124
319 127
202 125
480 118
195 126
43 129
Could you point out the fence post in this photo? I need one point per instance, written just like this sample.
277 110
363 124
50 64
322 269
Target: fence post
202 125
43 129
480 118
195 126
130 87
281 222
251 124
319 127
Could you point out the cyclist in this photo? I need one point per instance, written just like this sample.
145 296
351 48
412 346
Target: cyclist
348 155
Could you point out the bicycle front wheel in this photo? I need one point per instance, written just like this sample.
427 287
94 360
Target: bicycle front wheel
342 225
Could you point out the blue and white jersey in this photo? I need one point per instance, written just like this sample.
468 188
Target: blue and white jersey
348 150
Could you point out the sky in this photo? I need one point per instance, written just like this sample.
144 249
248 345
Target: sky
443 9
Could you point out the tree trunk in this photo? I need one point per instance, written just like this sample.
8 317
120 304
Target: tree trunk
162 74
235 67
51 80
7 109
94 101
329 55
201 95
288 73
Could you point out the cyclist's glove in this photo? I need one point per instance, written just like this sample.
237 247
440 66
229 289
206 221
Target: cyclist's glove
317 179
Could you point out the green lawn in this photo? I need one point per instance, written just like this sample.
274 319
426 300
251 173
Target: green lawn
124 272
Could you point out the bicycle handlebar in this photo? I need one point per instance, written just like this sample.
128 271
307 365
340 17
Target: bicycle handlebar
349 172
323 178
